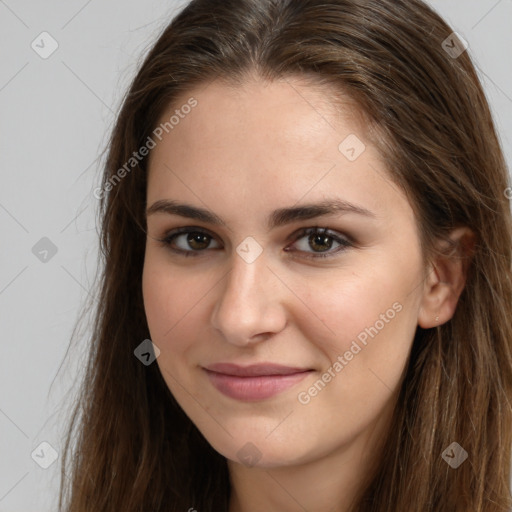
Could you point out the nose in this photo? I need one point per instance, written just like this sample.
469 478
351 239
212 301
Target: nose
249 309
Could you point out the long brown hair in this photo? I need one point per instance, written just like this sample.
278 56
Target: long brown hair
129 446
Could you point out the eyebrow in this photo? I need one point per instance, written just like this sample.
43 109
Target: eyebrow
279 217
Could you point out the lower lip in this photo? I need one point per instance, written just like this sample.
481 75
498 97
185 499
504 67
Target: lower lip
254 388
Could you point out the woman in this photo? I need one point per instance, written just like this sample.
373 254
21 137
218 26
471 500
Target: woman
306 293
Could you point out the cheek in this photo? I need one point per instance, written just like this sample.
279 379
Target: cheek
164 303
364 324
166 309
172 302
157 299
345 307
373 324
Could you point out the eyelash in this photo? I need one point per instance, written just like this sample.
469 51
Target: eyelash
344 242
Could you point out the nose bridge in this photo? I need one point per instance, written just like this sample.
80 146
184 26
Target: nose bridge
248 303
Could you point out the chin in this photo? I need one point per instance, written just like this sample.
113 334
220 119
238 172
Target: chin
259 452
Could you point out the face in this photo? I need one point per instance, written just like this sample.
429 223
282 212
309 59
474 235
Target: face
267 278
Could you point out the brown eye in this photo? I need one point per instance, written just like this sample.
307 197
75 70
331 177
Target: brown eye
320 240
198 241
312 242
187 241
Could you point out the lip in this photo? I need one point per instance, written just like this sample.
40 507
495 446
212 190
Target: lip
254 370
254 382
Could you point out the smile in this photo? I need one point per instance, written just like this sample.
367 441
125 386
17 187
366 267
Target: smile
254 387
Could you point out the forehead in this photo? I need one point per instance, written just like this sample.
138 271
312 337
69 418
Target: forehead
277 105
271 142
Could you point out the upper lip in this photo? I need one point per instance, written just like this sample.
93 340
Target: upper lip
254 369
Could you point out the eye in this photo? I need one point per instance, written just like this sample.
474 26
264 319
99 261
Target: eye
321 240
187 238
192 241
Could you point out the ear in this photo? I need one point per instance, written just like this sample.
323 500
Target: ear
446 279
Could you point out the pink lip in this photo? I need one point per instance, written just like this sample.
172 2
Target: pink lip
255 382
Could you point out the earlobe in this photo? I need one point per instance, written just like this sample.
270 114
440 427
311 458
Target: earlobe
446 279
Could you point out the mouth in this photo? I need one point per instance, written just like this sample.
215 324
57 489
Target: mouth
255 382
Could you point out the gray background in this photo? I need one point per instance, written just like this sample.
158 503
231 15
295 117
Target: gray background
56 114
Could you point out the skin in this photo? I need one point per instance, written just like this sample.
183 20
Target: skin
243 152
